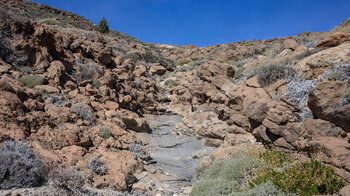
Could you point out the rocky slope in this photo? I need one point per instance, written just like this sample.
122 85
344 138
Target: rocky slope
78 97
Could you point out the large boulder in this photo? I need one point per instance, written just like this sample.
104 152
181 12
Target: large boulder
314 65
324 102
216 73
335 39
133 122
157 69
330 150
315 128
290 44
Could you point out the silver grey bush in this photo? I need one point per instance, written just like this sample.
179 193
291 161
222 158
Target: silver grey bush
342 70
20 167
298 92
138 151
83 112
97 166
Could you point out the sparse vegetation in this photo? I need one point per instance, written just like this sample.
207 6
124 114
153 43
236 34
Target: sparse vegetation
25 69
347 95
20 167
103 27
270 73
43 92
307 53
309 178
169 83
239 73
341 72
267 173
184 62
334 76
96 83
224 176
105 132
97 166
49 21
83 112
87 71
69 183
138 151
31 81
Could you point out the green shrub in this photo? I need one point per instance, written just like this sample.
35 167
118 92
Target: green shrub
335 76
105 133
83 112
238 73
265 189
87 70
307 53
103 27
43 92
20 167
270 73
169 83
31 81
97 166
347 94
96 83
160 89
309 178
184 62
25 69
276 159
49 21
223 177
195 59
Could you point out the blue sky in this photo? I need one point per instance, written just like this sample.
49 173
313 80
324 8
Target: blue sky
209 22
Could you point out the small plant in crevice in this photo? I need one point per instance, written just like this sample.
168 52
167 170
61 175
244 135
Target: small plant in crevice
346 97
160 89
49 21
96 83
169 83
20 167
25 69
347 94
97 166
105 132
87 70
83 112
239 73
334 76
341 72
138 151
268 74
31 81
307 53
69 182
43 93
56 100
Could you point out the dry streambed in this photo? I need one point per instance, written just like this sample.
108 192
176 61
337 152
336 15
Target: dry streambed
175 155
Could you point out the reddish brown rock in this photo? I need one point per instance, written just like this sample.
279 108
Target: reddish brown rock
330 150
321 128
290 44
157 69
324 102
335 39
